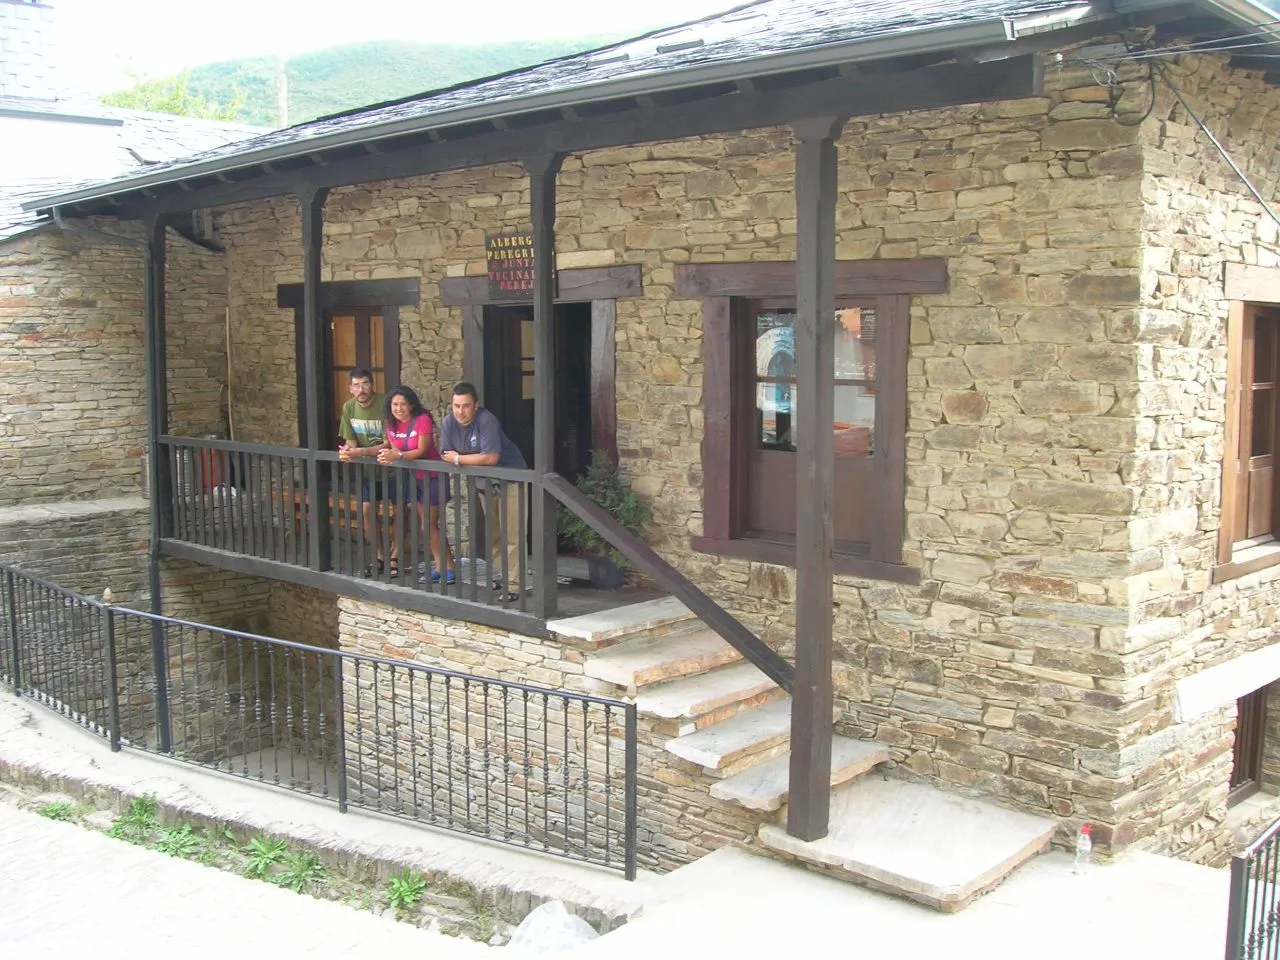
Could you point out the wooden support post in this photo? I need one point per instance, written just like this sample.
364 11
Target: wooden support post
542 172
160 475
808 809
312 205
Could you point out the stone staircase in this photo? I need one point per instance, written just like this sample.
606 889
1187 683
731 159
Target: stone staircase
724 716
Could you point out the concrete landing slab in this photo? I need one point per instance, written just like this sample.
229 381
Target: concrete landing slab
934 847
696 695
759 733
764 786
635 663
606 625
736 904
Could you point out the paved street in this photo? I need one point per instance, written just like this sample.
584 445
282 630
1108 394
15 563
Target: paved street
70 892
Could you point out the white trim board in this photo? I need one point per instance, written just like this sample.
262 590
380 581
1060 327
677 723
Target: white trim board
1206 691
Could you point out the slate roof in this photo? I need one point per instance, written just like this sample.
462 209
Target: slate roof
748 40
754 39
138 141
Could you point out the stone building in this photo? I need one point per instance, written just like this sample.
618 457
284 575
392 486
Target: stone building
1055 293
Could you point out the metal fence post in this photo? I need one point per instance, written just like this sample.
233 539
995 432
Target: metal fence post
11 596
342 733
631 800
160 667
113 679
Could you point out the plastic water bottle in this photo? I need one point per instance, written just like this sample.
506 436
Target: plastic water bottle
1084 848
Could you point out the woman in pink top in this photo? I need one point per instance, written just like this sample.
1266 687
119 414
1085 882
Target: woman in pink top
410 435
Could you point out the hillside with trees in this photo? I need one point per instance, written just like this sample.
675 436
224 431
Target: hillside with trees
335 79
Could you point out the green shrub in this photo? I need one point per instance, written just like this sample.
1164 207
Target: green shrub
603 485
406 890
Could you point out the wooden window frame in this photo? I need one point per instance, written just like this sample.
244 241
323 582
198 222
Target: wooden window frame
1251 292
728 432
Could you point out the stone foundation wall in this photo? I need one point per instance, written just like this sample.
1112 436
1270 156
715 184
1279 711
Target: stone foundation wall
679 821
72 371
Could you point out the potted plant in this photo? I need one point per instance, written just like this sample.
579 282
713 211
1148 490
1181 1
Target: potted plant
603 485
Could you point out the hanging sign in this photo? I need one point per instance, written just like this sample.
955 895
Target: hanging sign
510 261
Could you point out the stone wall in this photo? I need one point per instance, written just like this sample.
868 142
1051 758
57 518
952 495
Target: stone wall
1196 216
73 416
84 546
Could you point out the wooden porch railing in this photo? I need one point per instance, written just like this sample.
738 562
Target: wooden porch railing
260 501
755 650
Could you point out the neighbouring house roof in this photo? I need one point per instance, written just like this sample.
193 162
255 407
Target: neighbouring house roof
755 39
67 144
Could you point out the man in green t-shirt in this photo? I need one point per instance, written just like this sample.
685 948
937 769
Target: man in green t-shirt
362 435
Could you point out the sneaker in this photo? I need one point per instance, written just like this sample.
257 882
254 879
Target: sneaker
450 577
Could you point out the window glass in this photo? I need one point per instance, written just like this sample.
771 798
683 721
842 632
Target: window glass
854 376
1264 350
1261 437
775 378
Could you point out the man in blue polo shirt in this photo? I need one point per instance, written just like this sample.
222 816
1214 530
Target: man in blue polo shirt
473 437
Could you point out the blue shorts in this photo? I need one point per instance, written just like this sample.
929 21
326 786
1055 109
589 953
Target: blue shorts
411 487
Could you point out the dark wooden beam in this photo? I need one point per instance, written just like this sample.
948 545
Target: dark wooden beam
400 598
853 278
160 474
931 87
575 285
542 170
604 374
312 206
809 802
473 348
397 291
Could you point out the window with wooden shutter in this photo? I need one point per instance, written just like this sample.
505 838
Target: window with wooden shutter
1248 537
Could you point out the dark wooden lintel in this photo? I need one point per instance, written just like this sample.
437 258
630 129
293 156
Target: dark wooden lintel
853 278
575 285
399 291
621 122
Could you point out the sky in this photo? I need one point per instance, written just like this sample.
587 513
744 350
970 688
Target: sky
104 40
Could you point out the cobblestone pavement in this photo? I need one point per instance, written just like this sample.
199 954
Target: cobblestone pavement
69 892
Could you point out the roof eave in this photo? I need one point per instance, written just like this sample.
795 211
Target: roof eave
908 43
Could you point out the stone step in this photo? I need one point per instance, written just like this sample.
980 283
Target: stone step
609 626
642 661
724 748
914 840
706 694
764 786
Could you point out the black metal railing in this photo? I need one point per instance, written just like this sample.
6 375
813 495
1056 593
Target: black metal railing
1253 911
544 769
459 532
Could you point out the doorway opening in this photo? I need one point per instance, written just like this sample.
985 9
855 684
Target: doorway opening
509 369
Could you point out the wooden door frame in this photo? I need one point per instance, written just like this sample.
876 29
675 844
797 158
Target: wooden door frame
386 296
602 287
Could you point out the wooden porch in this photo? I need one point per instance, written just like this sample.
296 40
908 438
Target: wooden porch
250 508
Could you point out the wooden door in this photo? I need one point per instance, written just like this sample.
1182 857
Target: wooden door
357 338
